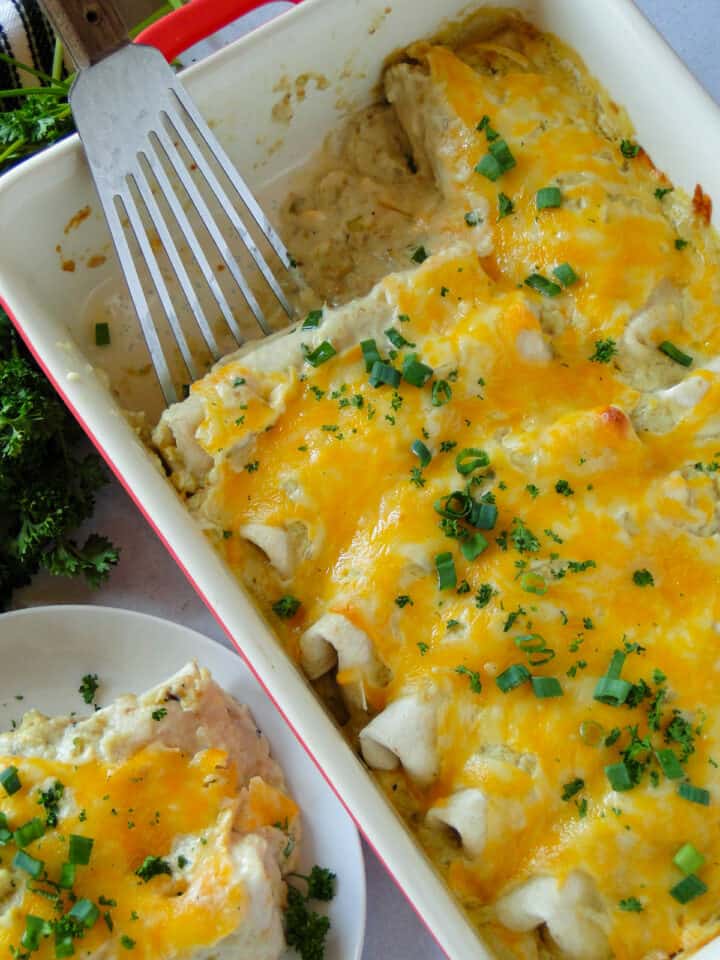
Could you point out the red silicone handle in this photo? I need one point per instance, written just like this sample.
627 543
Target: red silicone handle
194 22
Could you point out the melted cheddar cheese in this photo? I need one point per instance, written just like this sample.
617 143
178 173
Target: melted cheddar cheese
183 844
125 810
599 474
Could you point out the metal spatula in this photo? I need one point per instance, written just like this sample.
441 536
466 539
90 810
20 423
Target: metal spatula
133 116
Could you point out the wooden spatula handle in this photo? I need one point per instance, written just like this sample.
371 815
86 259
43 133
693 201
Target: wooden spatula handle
90 29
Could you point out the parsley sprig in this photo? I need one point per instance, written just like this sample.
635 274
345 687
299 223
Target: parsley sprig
306 930
42 117
47 489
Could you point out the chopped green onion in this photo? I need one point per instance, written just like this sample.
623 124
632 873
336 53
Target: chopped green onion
616 664
371 354
320 354
694 794
445 566
441 393
548 197
533 583
454 506
513 677
502 153
547 288
80 849
421 452
23 861
544 687
85 912
530 642
611 691
489 167
397 339
688 859
483 516
67 876
619 777
384 373
541 656
533 645
471 459
663 192
102 334
312 320
10 781
485 125
670 350
670 766
64 947
420 255
414 372
473 546
565 274
680 244
688 888
571 788
473 218
629 149
505 206
32 830
35 927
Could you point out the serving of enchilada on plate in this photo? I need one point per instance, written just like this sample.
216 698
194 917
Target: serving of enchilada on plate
200 875
476 490
183 822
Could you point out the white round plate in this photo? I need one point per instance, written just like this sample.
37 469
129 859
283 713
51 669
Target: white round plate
45 651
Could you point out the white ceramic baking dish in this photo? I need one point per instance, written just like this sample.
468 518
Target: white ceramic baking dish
346 41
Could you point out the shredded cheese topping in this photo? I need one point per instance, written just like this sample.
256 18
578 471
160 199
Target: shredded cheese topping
602 461
128 812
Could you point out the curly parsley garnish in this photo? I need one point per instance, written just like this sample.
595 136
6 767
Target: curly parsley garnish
286 606
306 930
605 350
153 867
89 687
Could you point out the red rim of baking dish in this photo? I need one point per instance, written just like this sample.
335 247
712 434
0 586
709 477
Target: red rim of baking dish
196 21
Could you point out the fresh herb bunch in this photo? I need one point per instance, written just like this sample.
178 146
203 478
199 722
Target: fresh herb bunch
306 930
42 117
47 488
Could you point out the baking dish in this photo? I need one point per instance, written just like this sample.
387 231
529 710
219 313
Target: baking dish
346 42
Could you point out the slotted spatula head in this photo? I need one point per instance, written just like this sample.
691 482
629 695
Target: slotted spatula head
134 118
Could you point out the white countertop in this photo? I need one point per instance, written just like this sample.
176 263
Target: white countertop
148 580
